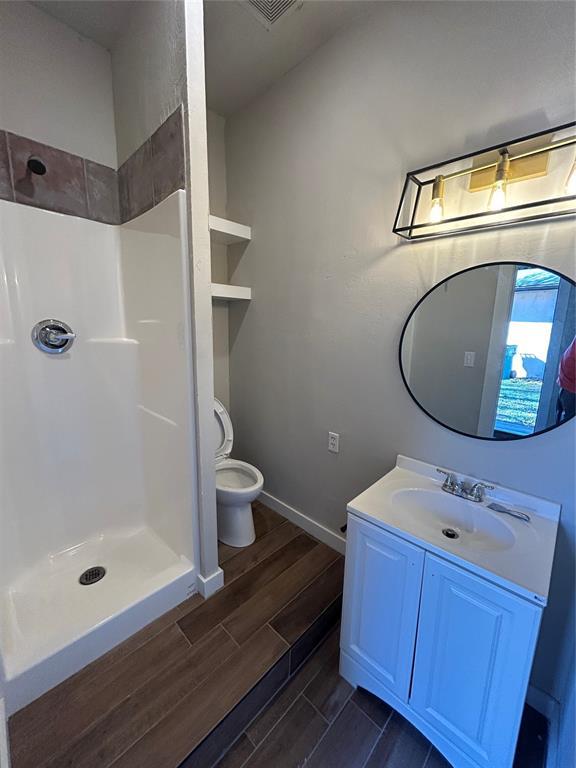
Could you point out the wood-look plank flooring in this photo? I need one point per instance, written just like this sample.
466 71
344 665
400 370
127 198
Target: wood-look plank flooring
157 700
318 720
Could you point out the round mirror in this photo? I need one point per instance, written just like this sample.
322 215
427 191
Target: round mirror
490 351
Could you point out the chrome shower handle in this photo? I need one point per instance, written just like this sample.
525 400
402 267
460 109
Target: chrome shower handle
52 336
55 336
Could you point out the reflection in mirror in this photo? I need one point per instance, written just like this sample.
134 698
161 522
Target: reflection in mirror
490 352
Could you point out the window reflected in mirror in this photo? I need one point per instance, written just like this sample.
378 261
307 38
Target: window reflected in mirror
490 352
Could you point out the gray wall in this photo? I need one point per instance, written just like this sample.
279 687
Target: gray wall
316 166
149 70
453 319
218 202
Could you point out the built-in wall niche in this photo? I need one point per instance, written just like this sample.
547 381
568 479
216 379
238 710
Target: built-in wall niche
226 232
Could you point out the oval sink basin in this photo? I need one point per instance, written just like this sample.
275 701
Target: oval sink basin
453 519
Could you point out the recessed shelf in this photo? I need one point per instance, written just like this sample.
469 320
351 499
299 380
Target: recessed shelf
231 292
226 232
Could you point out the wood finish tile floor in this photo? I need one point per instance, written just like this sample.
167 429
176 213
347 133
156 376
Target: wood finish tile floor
318 720
180 691
222 683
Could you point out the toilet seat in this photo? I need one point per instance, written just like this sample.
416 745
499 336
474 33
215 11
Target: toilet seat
235 475
231 474
223 431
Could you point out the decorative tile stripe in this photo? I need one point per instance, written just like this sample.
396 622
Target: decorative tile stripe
6 192
77 186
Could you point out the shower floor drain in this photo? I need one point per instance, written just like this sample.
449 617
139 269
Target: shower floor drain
92 575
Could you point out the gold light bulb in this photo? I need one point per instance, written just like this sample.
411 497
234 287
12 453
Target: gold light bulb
437 204
498 195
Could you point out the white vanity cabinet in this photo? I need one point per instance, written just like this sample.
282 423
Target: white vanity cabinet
473 659
382 593
450 650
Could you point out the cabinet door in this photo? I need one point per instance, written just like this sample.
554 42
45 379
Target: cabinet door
381 597
473 658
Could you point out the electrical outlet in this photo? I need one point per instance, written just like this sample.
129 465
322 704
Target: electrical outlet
469 359
333 442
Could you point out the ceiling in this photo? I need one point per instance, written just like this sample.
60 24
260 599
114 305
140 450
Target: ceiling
243 57
102 21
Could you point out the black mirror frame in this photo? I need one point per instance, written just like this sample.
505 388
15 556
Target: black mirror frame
420 301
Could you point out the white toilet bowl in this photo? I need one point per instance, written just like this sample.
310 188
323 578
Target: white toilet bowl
238 484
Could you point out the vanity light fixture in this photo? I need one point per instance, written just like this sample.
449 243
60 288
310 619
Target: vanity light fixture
531 178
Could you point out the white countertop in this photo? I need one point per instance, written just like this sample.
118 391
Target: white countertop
523 566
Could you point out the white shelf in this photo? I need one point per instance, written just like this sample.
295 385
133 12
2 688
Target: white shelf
231 292
227 232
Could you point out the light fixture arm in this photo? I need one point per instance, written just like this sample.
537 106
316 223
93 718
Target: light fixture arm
494 164
427 209
438 188
503 167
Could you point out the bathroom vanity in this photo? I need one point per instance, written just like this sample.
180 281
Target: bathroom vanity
443 599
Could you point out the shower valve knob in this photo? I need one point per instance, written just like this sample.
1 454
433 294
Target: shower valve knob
53 336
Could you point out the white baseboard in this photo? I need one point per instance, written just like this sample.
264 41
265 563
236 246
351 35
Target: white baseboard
314 528
208 585
550 708
4 748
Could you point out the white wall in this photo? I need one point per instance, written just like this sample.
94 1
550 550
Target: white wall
55 86
316 166
149 67
216 125
70 456
153 251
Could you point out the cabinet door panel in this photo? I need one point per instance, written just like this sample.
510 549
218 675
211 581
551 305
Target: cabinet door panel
473 658
381 598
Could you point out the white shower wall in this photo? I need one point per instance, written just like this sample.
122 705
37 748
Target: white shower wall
70 459
156 307
96 459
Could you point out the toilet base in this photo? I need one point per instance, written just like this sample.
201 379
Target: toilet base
236 524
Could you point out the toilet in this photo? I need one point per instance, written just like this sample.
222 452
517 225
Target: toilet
237 485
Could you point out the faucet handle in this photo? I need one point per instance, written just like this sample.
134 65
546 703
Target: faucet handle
476 492
451 482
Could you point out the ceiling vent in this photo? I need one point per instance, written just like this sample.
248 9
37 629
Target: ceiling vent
269 12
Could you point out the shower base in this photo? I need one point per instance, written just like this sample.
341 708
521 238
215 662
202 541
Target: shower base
52 625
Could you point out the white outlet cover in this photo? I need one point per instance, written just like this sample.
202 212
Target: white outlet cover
333 442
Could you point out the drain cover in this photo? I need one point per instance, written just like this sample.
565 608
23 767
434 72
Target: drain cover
450 533
92 575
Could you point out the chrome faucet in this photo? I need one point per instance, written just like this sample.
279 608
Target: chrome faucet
474 492
477 491
450 484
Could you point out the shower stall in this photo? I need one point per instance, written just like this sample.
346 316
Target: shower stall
97 464
107 482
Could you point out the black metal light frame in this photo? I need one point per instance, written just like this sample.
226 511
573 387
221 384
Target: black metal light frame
411 231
